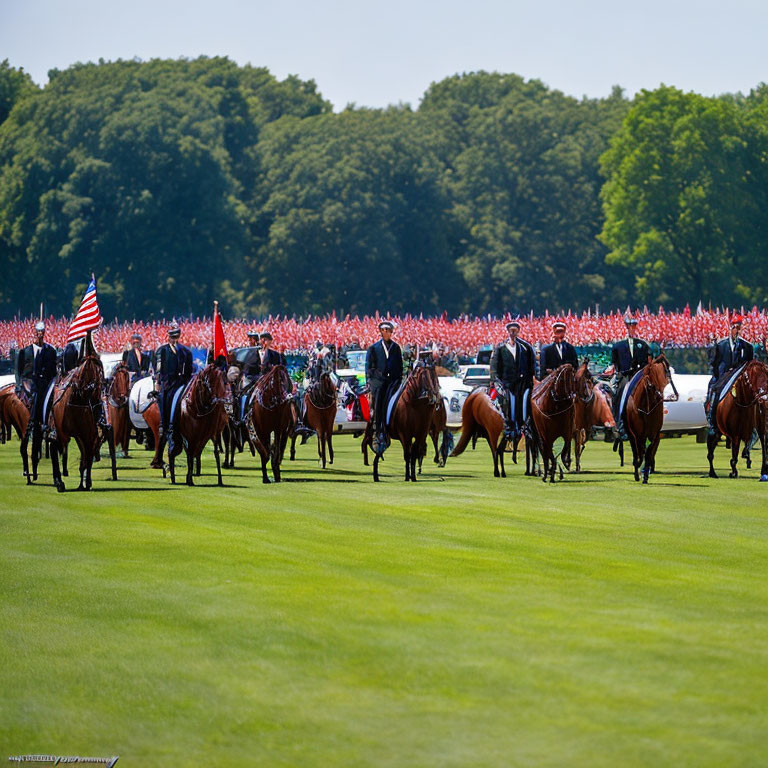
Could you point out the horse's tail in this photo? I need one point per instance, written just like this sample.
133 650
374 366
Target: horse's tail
468 426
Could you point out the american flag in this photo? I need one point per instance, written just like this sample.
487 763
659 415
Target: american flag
88 316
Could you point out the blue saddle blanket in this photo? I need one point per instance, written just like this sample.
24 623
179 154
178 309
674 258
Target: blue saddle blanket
177 399
393 401
731 381
628 390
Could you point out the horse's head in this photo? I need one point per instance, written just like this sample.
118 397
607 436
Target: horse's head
564 384
210 388
423 383
87 379
120 385
756 374
585 383
658 372
274 387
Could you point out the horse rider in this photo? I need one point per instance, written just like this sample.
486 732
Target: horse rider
268 356
136 360
36 364
727 355
251 360
512 371
173 366
384 374
558 353
628 356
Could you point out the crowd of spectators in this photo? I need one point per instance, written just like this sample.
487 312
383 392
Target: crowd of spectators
455 339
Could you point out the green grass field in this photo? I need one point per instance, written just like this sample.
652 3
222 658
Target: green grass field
461 621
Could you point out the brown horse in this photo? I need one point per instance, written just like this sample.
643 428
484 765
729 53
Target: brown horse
202 417
12 412
412 416
320 408
552 405
590 409
117 407
740 411
75 399
480 418
271 414
438 426
645 415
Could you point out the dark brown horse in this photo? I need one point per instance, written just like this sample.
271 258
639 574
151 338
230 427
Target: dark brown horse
76 398
480 418
320 407
645 415
271 415
590 409
552 405
740 411
117 407
412 416
202 417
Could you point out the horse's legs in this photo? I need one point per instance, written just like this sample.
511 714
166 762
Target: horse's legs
650 457
216 453
321 446
637 455
275 458
37 438
190 464
494 453
712 441
414 456
502 446
434 436
292 456
376 458
407 458
54 451
25 456
329 438
198 460
365 443
111 445
735 443
88 467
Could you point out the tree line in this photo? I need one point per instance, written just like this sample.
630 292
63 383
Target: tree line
182 181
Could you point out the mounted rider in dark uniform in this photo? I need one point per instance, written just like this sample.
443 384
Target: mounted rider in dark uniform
269 357
36 365
558 353
628 356
251 361
136 360
384 374
727 355
173 370
512 371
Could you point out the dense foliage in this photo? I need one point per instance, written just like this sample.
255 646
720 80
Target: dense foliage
180 181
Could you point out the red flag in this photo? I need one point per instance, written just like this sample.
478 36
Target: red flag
88 316
219 342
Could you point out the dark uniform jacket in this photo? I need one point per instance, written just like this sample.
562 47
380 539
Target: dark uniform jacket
137 366
251 363
724 359
627 363
70 358
551 359
173 370
513 371
41 370
268 358
381 370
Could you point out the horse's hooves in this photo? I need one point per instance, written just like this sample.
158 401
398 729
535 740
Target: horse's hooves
645 481
712 474
733 474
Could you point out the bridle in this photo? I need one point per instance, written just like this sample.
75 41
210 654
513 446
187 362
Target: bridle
123 401
569 397
264 393
652 393
421 381
322 393
201 402
761 394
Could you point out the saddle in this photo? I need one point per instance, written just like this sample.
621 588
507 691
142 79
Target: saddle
393 402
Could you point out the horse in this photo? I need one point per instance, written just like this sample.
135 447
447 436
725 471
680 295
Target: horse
201 418
7 422
552 406
480 418
740 411
320 408
645 415
271 414
117 407
75 398
590 409
412 416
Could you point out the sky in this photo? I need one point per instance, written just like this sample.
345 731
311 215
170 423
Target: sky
375 54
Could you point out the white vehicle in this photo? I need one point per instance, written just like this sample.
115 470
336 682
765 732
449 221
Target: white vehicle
686 414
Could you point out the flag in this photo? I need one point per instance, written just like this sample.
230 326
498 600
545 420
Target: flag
88 316
219 342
